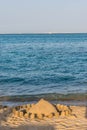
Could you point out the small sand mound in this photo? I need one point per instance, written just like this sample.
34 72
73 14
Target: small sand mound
43 107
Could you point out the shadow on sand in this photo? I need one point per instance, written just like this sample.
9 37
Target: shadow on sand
86 107
29 127
86 111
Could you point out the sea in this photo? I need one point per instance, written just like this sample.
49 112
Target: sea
51 66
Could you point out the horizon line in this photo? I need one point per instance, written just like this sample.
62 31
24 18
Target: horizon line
45 33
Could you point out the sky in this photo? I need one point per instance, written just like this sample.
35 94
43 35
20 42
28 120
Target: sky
43 16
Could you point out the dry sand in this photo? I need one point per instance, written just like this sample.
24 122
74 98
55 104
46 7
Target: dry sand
76 120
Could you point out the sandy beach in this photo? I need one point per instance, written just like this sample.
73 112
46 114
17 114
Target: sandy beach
43 65
55 117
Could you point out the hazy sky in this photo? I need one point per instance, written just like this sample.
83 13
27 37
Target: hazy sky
35 16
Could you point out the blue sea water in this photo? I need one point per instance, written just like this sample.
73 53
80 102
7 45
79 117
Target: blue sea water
33 64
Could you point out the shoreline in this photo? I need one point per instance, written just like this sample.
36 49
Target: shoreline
77 99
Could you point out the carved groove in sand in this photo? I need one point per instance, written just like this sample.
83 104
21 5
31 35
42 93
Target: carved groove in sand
41 109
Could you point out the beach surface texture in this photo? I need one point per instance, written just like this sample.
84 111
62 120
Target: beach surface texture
43 116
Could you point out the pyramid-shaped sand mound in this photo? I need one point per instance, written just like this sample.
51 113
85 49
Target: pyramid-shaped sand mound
43 107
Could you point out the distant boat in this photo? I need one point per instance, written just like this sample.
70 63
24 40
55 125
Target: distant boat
50 33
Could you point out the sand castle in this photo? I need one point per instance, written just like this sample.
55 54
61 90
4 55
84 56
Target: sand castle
41 109
42 114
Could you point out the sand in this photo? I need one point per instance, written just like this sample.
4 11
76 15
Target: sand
55 117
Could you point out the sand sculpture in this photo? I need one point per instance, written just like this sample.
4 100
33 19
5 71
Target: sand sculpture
41 110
